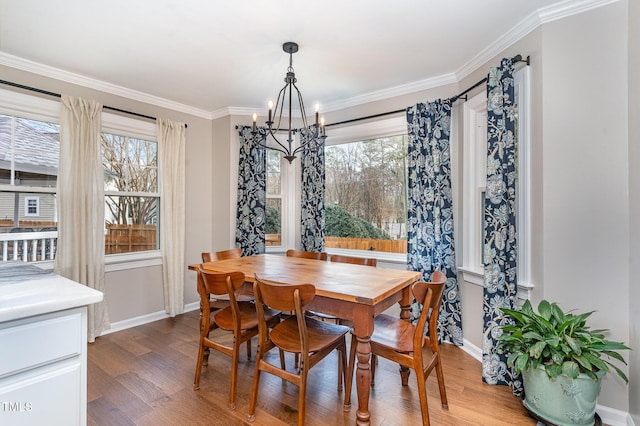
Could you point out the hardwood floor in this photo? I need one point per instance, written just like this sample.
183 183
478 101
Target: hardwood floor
144 376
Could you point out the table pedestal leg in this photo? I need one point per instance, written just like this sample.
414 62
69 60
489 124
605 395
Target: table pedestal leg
363 380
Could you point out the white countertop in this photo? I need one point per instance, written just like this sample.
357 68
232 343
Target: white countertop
26 290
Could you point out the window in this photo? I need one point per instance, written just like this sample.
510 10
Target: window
366 195
132 201
273 228
474 184
29 153
29 150
32 206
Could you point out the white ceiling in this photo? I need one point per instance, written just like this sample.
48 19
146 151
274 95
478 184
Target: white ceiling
214 56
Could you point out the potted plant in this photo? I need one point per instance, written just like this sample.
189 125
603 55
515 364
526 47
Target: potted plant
561 359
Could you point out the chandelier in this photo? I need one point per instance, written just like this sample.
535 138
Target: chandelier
310 135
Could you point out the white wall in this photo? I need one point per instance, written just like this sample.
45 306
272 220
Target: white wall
585 172
634 199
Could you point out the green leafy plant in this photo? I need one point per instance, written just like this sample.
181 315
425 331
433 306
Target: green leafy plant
562 342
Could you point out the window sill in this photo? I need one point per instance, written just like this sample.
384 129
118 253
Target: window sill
476 276
143 259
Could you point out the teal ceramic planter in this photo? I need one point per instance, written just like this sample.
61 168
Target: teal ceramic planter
562 401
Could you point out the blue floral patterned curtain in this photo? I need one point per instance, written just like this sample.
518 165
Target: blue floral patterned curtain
312 194
430 214
252 195
500 252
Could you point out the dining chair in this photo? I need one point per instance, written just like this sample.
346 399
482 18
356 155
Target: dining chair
400 341
367 261
240 318
233 253
310 339
319 255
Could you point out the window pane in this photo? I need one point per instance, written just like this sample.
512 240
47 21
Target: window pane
273 229
131 224
19 209
273 173
366 195
29 152
131 165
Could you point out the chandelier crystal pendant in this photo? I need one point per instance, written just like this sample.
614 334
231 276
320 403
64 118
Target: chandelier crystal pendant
314 134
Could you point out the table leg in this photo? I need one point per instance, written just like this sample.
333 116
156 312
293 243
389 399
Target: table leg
363 380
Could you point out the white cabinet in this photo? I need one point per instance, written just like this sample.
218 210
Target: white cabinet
43 369
43 348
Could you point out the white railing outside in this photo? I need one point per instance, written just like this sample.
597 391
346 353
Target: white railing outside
28 246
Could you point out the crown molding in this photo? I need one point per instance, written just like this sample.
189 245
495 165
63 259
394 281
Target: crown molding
568 8
69 77
527 25
403 89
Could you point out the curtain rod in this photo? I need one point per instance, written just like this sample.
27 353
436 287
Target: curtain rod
58 95
461 95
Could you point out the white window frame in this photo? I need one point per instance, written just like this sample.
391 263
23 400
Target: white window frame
130 127
362 132
288 209
36 108
27 200
474 183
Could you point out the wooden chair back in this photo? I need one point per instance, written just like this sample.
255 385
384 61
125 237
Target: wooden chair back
217 283
354 260
307 254
430 308
284 297
221 255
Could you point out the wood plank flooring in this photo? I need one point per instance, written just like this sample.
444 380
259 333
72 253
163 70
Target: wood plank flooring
144 376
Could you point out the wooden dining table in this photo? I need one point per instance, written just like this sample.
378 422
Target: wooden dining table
352 292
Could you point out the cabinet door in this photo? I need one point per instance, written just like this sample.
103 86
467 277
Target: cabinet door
45 396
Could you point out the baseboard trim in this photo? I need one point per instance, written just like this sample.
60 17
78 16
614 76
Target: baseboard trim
145 319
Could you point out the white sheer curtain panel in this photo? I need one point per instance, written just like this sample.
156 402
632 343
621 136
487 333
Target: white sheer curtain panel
171 145
80 203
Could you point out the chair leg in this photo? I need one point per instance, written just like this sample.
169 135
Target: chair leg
422 393
254 392
302 397
282 364
249 349
443 391
374 363
234 376
404 375
196 380
348 381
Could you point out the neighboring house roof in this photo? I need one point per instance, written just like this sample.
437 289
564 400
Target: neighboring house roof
36 147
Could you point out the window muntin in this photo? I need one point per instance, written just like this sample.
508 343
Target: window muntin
366 196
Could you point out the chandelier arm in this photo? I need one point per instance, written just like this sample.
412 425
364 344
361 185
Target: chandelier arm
303 112
284 149
265 146
279 106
